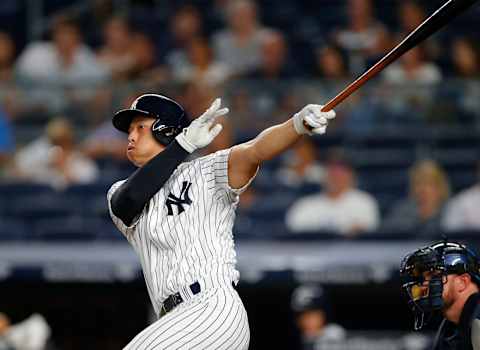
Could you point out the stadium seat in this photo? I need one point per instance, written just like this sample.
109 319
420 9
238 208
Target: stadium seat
106 230
271 207
93 189
63 228
13 189
40 206
11 229
249 228
394 182
97 207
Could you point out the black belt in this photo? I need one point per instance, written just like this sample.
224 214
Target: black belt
176 299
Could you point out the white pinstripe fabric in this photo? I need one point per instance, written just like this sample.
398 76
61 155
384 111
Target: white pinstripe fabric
194 245
216 319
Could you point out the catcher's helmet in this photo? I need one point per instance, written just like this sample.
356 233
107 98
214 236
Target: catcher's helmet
423 275
171 117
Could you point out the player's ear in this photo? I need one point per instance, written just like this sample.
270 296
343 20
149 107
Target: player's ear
462 282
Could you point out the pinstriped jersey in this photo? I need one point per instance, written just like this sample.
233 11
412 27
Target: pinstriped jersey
184 233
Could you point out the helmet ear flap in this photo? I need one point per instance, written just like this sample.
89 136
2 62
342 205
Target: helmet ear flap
164 134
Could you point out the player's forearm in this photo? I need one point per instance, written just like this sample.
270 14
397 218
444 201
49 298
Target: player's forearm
272 142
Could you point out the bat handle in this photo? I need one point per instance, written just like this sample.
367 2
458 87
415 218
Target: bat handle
329 106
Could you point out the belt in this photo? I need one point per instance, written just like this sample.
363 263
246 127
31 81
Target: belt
176 299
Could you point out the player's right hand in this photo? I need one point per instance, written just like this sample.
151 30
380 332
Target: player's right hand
200 131
311 120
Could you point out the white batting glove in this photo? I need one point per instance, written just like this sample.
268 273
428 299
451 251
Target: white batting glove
200 131
311 120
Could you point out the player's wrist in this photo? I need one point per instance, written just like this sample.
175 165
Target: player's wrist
299 125
182 139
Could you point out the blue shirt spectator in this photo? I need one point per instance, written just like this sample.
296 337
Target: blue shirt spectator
7 143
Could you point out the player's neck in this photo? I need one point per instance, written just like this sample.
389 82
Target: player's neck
454 312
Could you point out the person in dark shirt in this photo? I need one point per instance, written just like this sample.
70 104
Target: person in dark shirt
444 277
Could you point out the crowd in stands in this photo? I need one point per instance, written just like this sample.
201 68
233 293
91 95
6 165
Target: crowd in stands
267 59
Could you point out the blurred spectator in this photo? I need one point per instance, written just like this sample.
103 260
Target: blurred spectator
185 27
66 59
8 90
461 212
54 158
466 58
364 38
145 58
31 334
201 67
196 98
341 208
105 141
410 81
301 166
241 111
239 46
7 145
274 60
64 62
460 102
312 315
330 63
410 15
413 68
422 211
136 62
7 56
117 53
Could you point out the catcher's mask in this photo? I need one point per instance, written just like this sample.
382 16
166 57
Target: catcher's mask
424 272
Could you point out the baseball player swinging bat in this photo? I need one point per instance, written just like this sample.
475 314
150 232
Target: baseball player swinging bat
178 216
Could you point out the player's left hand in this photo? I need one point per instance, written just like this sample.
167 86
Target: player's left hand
311 120
201 131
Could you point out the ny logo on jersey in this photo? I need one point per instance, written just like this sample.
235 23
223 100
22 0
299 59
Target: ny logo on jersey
179 201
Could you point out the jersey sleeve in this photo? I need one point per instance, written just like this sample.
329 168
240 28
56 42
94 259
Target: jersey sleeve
220 172
126 230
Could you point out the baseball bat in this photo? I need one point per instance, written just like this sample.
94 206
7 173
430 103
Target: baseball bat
437 20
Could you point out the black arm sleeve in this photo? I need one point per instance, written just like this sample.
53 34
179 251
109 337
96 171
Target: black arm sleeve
130 198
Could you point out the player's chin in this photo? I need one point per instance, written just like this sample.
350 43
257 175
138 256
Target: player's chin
133 158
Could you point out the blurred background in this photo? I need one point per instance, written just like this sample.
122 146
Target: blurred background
320 233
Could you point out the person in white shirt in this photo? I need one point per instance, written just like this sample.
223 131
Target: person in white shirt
413 67
301 166
340 208
239 45
461 212
32 333
60 70
54 158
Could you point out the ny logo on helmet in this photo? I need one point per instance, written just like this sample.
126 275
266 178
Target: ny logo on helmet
183 199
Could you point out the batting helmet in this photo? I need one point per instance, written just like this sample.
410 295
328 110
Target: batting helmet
170 116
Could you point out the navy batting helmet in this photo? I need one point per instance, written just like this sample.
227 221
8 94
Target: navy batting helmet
170 116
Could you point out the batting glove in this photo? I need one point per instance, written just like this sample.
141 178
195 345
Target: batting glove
311 120
200 131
